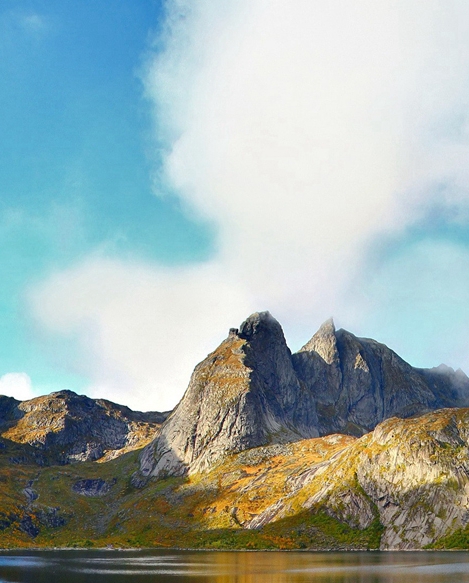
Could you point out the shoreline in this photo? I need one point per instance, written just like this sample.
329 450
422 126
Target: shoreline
208 550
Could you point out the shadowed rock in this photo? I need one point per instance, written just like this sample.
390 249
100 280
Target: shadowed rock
93 488
245 394
358 382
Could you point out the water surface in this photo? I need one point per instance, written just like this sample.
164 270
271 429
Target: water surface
231 567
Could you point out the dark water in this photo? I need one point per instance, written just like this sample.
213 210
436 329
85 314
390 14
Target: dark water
231 567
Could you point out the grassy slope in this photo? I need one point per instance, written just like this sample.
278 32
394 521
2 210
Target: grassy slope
203 511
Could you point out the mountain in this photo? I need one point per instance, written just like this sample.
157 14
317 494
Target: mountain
64 427
342 445
244 394
358 382
252 391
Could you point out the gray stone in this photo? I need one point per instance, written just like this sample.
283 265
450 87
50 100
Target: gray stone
243 395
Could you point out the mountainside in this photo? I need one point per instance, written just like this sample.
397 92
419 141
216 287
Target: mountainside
243 395
403 486
252 391
64 427
342 445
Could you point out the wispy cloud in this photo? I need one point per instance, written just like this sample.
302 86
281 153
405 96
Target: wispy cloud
33 23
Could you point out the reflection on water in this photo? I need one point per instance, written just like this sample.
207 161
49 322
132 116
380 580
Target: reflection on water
231 567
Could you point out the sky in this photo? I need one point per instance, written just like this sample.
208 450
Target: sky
168 167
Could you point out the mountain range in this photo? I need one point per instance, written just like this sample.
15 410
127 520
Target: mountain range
341 445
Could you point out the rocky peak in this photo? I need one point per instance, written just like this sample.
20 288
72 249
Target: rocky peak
244 394
324 342
261 326
317 365
358 382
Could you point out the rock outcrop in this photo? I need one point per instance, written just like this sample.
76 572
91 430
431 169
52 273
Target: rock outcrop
358 382
411 474
93 488
65 427
245 394
252 391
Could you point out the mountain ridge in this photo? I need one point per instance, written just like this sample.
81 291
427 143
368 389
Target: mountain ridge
254 392
341 445
64 427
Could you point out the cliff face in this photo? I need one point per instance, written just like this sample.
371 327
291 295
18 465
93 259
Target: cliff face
64 427
358 382
252 391
243 395
416 472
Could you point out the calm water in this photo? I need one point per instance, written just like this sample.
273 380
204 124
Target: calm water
233 567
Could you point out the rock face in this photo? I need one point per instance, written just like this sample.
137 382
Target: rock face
245 394
66 427
412 474
251 391
93 488
416 471
358 382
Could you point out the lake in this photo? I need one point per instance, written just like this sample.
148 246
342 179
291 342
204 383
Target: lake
231 567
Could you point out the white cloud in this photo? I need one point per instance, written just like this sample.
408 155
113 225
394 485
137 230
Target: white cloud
299 125
142 330
17 385
303 130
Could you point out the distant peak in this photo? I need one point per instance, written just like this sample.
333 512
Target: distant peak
443 368
324 342
327 327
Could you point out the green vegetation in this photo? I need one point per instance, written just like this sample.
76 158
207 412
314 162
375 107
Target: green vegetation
205 511
459 539
319 530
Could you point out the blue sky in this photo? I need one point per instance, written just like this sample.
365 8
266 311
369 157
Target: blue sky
75 173
166 168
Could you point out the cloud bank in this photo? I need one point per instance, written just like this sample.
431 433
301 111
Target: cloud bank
306 131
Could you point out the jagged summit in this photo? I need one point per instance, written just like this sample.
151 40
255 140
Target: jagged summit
252 391
324 342
258 324
359 382
244 394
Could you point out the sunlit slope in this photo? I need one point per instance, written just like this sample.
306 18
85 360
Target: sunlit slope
64 427
403 486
